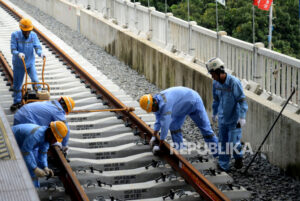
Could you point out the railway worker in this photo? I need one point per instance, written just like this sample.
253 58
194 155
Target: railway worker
171 106
23 44
32 136
42 113
229 108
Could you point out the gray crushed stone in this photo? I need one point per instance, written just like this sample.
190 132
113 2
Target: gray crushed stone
266 181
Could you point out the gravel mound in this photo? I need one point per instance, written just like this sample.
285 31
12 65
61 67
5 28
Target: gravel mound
267 182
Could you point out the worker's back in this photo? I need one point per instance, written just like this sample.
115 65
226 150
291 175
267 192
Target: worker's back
40 113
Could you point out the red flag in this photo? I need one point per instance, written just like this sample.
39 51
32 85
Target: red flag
265 4
255 2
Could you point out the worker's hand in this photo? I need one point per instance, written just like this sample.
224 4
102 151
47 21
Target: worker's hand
49 172
39 172
214 118
152 141
43 55
21 55
65 149
155 150
57 144
241 123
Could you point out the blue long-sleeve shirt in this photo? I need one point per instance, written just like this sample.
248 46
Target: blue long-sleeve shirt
42 113
29 137
175 102
19 44
229 101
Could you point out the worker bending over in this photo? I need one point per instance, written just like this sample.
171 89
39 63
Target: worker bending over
23 44
171 106
32 136
229 107
42 113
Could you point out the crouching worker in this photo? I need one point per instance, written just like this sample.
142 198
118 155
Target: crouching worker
42 113
171 106
32 136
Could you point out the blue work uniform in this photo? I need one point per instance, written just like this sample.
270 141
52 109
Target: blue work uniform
229 103
29 137
42 113
19 44
174 105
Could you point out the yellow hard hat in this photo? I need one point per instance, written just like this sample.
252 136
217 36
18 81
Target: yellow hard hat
59 130
146 102
70 103
26 24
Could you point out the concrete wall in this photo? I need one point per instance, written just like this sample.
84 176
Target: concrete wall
166 69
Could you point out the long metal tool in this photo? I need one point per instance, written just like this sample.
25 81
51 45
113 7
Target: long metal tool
127 109
287 101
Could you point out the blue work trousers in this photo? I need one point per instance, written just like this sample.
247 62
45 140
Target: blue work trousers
229 137
19 73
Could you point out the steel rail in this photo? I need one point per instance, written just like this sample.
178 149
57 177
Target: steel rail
204 187
8 73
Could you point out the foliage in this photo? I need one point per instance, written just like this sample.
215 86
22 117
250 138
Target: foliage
236 19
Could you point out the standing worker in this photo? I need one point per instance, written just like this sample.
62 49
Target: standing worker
32 136
171 106
229 107
42 113
23 43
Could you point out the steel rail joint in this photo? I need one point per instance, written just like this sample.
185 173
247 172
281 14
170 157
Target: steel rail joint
204 187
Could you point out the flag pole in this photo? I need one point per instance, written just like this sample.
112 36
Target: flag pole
270 27
217 24
253 24
188 2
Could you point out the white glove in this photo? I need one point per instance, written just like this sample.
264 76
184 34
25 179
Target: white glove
214 118
155 149
65 149
43 55
57 144
49 171
242 122
39 172
151 142
20 55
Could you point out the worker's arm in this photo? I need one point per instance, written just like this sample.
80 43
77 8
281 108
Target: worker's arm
27 150
166 118
157 122
37 45
216 100
13 44
240 97
42 155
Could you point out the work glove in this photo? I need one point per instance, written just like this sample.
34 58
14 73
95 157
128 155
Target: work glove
241 123
39 172
214 118
20 55
57 144
65 150
152 141
49 172
43 55
155 150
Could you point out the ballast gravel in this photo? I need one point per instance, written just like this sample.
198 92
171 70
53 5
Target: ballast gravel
265 181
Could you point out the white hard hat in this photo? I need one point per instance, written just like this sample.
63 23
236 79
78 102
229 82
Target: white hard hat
214 64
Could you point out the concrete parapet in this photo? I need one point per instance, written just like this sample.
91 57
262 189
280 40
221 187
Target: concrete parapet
166 69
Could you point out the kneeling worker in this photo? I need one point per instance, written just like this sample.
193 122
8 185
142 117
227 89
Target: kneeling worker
42 113
171 106
32 136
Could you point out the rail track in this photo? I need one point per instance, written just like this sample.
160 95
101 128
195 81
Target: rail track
109 156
